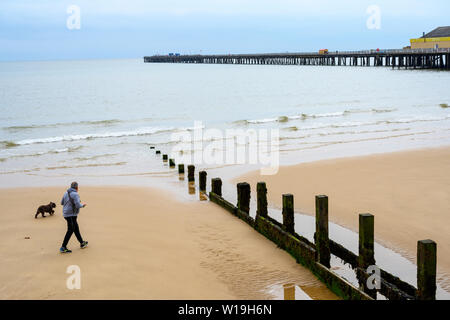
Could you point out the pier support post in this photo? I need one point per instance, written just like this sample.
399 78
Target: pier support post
243 197
261 204
191 172
171 163
165 157
288 213
216 186
321 235
202 180
158 152
180 168
426 270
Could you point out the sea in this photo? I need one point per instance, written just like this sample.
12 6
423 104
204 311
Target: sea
95 121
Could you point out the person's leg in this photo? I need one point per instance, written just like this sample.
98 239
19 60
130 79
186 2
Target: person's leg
69 231
76 229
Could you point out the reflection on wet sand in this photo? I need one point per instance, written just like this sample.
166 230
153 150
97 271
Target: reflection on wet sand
292 291
191 187
289 291
202 196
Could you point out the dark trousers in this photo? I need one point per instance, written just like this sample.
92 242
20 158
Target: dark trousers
72 227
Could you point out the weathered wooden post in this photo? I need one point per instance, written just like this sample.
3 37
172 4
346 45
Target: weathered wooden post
165 157
426 270
366 256
180 168
216 186
321 236
366 251
288 213
191 172
243 197
152 147
202 179
261 203
158 152
171 163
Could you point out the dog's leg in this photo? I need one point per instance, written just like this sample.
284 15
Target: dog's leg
35 216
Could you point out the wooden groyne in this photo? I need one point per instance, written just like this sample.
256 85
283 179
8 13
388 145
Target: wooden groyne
316 255
407 58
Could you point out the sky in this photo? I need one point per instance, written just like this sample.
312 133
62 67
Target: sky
96 29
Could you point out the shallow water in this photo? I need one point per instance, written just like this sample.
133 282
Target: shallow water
97 118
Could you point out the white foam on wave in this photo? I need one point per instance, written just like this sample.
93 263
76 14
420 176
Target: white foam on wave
137 132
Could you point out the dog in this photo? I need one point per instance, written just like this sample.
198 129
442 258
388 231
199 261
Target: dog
45 208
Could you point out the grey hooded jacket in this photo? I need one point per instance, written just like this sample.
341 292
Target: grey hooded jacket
68 210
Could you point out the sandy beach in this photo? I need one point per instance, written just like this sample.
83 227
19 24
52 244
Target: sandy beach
142 245
407 192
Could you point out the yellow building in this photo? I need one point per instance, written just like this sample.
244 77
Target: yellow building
438 38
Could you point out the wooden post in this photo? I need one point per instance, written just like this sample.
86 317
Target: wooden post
165 157
152 147
261 205
191 173
366 256
288 213
171 163
426 270
216 186
321 236
243 197
202 179
158 152
180 168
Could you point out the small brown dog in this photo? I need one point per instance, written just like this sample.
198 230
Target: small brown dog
45 208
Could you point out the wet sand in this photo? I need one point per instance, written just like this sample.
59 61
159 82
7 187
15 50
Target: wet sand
408 192
142 245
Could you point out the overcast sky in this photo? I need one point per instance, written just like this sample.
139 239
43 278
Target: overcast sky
37 29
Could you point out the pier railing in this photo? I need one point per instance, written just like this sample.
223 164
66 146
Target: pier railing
316 255
402 58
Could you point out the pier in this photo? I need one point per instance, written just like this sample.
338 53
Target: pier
395 58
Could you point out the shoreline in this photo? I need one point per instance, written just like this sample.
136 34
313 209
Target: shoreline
407 191
143 244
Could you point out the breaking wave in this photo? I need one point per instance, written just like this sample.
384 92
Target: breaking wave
305 116
105 123
41 153
118 134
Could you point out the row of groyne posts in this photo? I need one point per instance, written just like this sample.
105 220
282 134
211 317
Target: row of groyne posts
316 256
408 59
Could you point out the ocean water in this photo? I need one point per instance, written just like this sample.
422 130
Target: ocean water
94 121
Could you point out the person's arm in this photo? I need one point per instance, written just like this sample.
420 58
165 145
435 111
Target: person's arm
62 200
76 200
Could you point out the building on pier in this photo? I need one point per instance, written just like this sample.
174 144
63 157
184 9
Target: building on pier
436 39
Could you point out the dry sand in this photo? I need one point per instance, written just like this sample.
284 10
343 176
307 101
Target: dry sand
408 192
142 245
